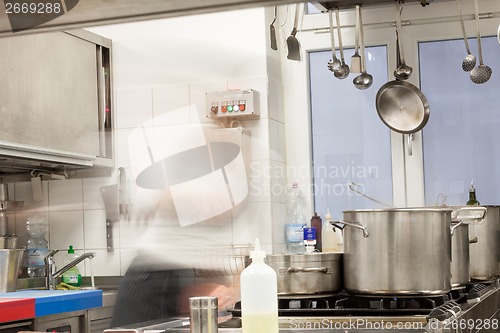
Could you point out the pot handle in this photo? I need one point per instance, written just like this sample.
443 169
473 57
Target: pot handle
473 240
475 213
456 225
410 139
307 270
351 224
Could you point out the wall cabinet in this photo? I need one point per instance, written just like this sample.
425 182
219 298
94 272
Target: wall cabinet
55 100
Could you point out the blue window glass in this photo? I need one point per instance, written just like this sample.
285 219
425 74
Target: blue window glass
462 136
349 141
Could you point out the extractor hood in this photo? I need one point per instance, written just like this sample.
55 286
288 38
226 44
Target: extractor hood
91 13
88 13
23 159
325 5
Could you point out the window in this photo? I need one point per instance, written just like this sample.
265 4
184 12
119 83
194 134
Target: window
349 141
460 141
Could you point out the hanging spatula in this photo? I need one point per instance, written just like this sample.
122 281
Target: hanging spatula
272 30
111 206
292 42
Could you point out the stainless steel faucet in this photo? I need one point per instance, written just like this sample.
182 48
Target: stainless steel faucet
51 277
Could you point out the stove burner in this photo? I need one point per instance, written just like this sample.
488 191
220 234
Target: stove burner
477 290
345 304
405 303
445 311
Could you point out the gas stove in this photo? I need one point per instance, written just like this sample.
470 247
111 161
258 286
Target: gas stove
473 309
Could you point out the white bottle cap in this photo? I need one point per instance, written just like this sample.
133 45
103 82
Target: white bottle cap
257 253
328 216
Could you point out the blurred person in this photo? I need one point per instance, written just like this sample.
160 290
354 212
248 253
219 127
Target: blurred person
163 275
189 178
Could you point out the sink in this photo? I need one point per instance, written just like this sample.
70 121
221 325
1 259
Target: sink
104 283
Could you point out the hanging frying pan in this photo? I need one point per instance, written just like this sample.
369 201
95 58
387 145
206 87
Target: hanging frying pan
401 105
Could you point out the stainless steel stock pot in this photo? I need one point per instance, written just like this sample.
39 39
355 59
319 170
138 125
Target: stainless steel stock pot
460 258
400 251
485 253
311 273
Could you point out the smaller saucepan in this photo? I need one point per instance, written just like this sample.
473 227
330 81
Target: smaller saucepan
307 274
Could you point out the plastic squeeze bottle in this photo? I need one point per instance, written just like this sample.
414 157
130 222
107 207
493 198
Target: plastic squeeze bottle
259 295
329 238
71 276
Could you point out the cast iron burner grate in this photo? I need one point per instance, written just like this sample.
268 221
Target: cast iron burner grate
356 305
390 303
345 304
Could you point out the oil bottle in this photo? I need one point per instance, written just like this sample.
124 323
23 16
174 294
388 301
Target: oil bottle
472 196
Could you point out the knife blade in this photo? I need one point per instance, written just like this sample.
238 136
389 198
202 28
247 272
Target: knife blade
110 197
123 194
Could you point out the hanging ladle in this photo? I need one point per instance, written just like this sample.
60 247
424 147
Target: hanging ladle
470 60
334 64
364 80
403 71
481 73
343 70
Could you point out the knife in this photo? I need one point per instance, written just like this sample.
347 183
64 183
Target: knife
110 197
123 193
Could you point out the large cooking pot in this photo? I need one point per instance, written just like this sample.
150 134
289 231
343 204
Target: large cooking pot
460 242
460 257
484 255
311 273
400 251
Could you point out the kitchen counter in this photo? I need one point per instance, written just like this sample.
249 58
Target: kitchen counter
36 303
12 309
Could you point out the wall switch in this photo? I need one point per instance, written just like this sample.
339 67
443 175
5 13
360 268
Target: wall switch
242 104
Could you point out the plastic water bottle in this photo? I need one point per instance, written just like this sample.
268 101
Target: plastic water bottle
259 295
37 247
296 221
